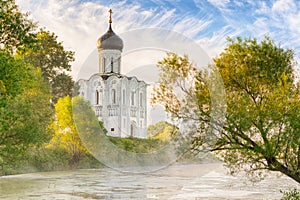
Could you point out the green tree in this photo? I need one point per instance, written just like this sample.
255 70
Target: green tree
62 85
51 57
24 108
15 27
261 128
66 135
41 48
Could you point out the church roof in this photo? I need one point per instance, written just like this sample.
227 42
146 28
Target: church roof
119 76
110 40
106 76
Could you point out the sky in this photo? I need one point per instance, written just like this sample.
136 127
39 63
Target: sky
79 23
149 28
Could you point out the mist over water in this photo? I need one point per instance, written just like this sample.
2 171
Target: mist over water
197 181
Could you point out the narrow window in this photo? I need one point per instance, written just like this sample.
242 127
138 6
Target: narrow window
132 98
124 97
112 64
113 94
97 97
104 65
100 97
141 99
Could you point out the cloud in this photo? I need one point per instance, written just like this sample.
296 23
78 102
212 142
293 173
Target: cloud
283 6
294 23
74 23
215 44
262 8
197 25
238 3
219 3
78 24
259 27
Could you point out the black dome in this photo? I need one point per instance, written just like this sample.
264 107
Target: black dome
110 41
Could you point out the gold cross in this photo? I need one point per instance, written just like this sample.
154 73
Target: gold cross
110 14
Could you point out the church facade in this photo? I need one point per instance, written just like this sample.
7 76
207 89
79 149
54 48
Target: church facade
118 100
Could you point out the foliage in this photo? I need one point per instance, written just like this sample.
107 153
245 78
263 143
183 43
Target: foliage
261 128
24 98
66 135
62 86
27 58
15 27
162 130
159 134
48 159
49 55
291 195
138 145
40 48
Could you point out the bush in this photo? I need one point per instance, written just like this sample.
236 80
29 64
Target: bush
47 159
138 145
293 194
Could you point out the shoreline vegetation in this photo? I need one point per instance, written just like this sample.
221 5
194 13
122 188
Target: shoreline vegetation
47 159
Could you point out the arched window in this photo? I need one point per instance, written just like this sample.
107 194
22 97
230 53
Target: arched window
113 96
97 97
100 97
104 65
132 98
112 64
141 99
124 96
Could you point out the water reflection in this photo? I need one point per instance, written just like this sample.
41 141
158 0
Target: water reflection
206 181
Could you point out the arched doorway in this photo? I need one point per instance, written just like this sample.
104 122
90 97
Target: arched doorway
133 129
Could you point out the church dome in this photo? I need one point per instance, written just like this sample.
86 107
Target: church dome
110 41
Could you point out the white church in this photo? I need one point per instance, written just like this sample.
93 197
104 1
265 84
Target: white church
118 100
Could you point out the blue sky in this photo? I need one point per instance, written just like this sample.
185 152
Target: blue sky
78 23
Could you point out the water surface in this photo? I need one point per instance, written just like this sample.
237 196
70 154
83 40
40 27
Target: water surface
199 181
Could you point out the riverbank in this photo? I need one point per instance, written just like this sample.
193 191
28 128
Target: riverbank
57 159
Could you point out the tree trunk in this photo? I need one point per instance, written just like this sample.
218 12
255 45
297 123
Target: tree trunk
74 162
281 168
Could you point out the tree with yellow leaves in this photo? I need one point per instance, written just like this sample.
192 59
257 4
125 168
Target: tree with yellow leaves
66 135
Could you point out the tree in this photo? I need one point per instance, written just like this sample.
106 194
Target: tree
66 135
50 56
261 126
41 48
15 27
24 108
62 85
32 64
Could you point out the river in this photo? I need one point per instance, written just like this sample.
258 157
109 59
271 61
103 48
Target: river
197 181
